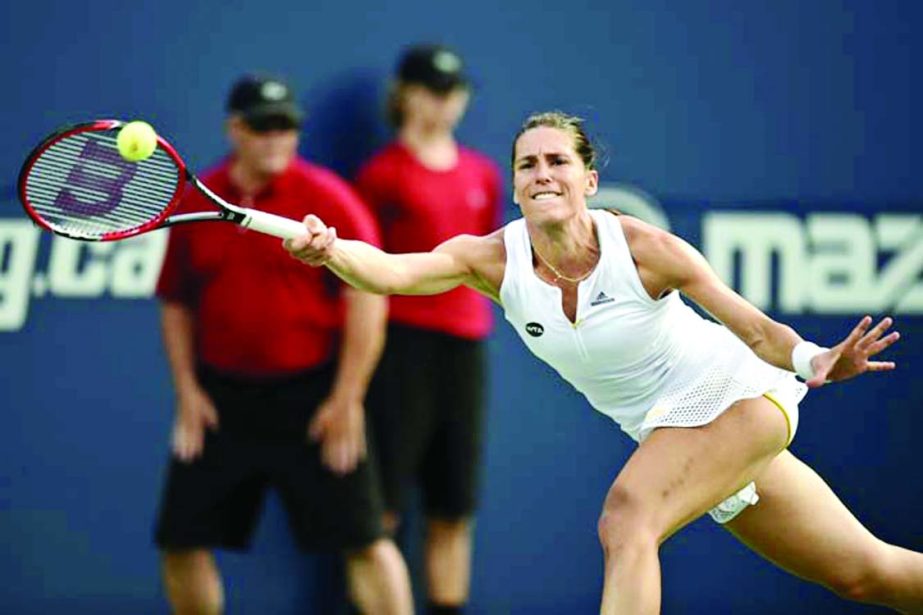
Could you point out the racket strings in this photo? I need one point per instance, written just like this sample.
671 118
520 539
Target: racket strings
81 186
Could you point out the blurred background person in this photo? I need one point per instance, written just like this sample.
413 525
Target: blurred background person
426 402
270 364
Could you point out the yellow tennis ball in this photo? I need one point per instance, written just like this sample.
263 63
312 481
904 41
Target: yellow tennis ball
136 141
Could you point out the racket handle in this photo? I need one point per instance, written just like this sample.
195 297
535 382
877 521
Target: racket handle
271 224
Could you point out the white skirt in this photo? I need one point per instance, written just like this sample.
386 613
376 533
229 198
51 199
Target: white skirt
731 372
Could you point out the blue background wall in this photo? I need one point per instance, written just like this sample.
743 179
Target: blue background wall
803 109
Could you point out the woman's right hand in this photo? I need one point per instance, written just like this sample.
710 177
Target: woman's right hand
316 247
195 413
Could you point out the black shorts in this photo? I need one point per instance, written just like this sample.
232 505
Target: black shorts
262 442
426 406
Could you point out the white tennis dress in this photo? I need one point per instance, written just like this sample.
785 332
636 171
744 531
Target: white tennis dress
645 363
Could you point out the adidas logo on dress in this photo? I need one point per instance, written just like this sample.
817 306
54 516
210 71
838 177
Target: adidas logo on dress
600 299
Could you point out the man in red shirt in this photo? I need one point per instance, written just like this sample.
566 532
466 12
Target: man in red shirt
271 364
426 400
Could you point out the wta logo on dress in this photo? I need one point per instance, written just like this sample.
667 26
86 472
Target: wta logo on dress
534 329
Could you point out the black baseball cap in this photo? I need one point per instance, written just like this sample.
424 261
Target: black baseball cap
435 67
265 102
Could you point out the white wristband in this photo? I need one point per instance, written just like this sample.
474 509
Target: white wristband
802 354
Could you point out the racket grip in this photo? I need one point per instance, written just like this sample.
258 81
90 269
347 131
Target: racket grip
271 224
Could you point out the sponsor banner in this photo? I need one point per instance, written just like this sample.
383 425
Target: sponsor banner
35 266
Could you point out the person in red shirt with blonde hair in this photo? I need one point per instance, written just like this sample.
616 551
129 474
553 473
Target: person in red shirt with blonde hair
426 399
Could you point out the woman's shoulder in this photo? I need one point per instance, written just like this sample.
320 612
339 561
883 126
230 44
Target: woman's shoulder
639 234
478 251
476 247
484 256
660 257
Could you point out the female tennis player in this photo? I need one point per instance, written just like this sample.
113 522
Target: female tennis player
597 296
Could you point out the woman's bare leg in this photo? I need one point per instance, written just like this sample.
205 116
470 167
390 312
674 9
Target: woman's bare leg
674 477
800 525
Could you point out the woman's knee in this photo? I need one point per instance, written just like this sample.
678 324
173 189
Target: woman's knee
865 580
858 586
626 522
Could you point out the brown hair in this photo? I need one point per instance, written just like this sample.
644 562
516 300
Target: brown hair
570 124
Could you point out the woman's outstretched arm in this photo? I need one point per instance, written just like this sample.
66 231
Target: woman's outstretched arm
363 266
666 262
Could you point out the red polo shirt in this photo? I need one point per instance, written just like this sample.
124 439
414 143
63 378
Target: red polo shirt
419 208
258 311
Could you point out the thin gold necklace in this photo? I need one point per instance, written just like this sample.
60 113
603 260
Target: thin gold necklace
557 274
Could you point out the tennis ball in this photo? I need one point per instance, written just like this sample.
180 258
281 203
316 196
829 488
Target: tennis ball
136 141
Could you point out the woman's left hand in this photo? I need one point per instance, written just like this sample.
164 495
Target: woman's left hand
851 357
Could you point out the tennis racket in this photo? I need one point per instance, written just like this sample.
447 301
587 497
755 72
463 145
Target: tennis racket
76 184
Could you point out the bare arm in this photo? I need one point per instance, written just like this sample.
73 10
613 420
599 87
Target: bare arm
463 260
422 273
666 262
